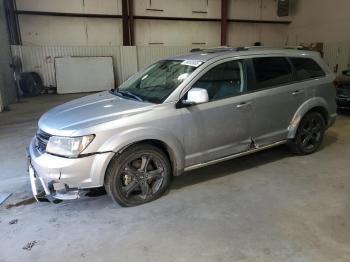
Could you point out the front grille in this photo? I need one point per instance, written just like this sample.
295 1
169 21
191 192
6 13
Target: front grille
42 139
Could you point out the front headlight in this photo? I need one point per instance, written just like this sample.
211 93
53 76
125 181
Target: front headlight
68 146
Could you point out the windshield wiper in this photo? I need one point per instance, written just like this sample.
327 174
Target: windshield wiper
125 93
129 94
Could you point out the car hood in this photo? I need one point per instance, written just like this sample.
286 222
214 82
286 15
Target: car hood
89 111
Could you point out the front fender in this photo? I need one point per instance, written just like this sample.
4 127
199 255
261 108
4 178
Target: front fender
302 110
122 140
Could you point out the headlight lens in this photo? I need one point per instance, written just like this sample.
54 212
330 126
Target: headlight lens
68 146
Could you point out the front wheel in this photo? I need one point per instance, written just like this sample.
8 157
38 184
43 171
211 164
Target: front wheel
139 175
309 135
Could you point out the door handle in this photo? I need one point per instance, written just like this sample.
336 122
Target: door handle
297 92
243 104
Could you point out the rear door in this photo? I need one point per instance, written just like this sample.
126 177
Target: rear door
277 97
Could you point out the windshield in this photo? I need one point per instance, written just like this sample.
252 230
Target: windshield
158 81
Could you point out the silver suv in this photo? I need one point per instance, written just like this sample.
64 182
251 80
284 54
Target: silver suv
180 114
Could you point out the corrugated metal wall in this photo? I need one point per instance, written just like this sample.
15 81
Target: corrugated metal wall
126 60
337 54
147 55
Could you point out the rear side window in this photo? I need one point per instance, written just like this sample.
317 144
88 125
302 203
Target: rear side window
306 68
271 72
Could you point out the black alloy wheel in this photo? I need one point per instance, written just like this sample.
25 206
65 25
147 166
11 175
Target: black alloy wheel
309 134
139 175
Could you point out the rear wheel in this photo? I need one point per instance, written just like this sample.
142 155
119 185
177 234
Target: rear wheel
309 135
139 175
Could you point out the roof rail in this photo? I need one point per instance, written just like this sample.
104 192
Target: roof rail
222 49
254 47
297 47
196 50
213 50
218 49
241 48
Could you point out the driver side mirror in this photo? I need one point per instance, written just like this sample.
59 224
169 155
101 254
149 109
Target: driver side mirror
196 96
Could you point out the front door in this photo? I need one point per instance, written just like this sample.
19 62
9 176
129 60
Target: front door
220 127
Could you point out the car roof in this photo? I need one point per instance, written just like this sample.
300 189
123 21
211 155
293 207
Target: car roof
222 52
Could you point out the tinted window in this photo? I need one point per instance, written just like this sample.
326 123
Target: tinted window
223 81
272 71
306 68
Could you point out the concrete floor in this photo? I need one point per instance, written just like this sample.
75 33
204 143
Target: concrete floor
271 206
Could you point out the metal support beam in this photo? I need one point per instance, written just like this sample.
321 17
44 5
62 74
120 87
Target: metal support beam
125 21
251 21
24 12
224 11
131 22
12 22
172 18
199 19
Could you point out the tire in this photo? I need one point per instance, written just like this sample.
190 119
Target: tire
140 174
31 84
309 135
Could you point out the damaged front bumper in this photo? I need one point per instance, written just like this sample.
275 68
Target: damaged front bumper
55 178
49 191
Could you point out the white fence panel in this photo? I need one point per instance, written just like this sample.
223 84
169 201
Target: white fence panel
84 74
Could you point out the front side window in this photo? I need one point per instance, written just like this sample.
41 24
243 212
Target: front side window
271 72
222 81
158 81
306 68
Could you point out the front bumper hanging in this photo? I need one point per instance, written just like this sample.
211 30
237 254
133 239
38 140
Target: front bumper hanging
43 191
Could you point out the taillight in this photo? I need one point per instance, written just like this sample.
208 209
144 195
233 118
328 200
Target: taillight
335 83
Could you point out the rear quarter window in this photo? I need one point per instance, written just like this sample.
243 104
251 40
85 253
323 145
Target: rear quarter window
306 68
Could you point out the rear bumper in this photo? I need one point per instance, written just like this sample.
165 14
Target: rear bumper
54 177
